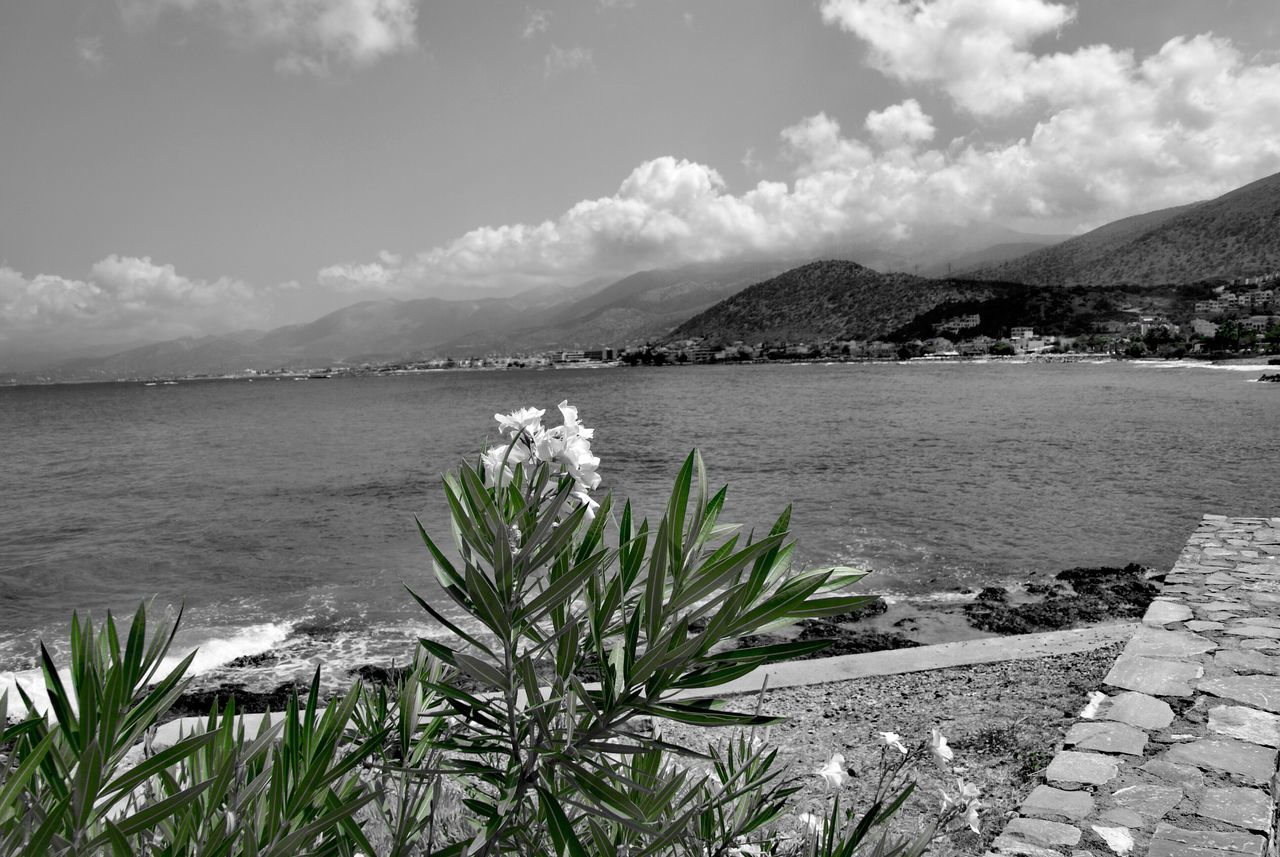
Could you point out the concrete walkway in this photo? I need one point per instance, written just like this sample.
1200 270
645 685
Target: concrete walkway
1180 758
987 650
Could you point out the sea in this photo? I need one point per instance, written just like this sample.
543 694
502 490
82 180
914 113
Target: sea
279 513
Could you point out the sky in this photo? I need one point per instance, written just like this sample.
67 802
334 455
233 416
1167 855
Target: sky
186 167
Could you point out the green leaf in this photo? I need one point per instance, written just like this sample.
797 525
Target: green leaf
563 837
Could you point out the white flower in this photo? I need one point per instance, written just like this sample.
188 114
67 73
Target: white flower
494 470
971 815
581 464
1096 699
813 824
521 421
947 800
833 772
572 427
893 739
938 747
580 494
968 791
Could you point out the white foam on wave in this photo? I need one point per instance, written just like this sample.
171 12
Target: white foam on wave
211 653
1195 364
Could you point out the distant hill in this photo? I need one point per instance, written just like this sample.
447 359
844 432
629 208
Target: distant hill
597 312
1237 234
825 301
989 256
634 309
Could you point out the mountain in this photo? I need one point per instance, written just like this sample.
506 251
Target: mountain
594 313
1234 235
824 301
993 255
635 309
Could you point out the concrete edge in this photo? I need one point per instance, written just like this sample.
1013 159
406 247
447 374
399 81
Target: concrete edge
986 650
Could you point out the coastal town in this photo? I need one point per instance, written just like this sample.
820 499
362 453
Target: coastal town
1240 318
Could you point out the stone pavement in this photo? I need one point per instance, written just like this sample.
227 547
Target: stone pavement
1179 760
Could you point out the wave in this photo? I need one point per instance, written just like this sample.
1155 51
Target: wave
1194 364
212 654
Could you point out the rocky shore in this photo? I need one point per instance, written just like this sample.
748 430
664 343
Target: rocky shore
1073 598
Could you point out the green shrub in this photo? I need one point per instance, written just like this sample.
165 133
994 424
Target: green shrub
493 743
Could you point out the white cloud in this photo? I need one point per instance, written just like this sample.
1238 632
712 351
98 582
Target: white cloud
902 124
89 53
536 21
975 49
314 35
1102 134
124 299
561 60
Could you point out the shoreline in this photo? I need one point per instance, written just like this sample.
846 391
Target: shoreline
1076 598
1240 362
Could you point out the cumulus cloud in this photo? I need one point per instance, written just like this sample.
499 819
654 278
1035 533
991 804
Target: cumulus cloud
314 35
561 60
1103 134
902 124
976 49
123 299
535 21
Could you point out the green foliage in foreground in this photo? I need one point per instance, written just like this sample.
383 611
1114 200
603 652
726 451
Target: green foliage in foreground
495 743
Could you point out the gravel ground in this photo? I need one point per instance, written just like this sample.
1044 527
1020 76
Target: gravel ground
1004 721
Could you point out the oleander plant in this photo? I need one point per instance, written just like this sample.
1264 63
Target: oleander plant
536 728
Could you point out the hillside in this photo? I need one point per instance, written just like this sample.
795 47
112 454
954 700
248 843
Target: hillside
827 301
634 309
1234 235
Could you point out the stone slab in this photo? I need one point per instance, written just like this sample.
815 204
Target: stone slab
1175 645
1221 578
1043 832
1247 808
1107 737
1147 799
1199 625
1140 710
1190 778
1048 802
1153 676
1247 724
1262 621
1247 661
1260 691
1162 612
1250 761
1125 818
1170 841
1253 631
1070 766
1118 839
1006 844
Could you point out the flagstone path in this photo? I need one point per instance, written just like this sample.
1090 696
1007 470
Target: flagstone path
1180 760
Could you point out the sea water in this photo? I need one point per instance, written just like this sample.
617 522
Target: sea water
280 513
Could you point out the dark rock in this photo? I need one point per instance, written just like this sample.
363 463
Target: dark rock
846 642
1094 594
865 611
262 659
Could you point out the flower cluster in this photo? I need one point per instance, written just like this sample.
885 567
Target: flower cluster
530 442
897 759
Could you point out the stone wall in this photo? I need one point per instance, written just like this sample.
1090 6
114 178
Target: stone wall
1180 756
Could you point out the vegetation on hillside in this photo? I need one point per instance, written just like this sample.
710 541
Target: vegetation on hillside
827 300
1234 235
